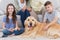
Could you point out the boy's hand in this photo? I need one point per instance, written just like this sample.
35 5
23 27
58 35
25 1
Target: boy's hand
45 28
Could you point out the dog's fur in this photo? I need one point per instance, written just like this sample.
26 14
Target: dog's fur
35 28
54 31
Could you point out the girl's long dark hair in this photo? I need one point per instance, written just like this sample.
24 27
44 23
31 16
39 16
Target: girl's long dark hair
13 14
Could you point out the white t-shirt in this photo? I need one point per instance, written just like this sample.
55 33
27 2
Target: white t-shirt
51 16
21 4
58 15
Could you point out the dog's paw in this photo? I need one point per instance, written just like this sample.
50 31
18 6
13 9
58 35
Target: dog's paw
56 36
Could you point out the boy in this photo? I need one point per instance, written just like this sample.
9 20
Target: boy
51 15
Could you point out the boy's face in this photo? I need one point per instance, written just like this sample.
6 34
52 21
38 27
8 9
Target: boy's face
49 8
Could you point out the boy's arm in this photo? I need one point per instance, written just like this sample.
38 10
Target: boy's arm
44 21
52 22
45 18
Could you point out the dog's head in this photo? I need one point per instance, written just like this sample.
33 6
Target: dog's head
30 22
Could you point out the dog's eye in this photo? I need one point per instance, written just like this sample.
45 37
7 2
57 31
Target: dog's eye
32 19
28 19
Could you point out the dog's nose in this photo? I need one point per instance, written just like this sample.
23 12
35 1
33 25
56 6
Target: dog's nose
31 24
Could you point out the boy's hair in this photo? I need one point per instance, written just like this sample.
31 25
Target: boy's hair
47 3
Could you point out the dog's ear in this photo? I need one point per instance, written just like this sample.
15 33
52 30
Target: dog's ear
36 22
25 23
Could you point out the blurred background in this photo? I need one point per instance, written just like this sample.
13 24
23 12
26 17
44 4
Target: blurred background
37 6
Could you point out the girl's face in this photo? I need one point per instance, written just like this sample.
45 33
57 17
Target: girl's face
10 10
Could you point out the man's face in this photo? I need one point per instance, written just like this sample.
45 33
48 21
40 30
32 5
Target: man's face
49 8
22 1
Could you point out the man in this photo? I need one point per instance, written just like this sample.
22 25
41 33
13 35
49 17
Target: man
23 12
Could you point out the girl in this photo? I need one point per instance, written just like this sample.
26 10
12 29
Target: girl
10 26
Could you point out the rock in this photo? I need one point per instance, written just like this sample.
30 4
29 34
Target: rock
4 3
37 4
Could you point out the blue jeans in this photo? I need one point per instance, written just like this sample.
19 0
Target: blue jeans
24 15
16 32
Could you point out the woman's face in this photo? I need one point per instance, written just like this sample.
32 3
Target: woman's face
10 10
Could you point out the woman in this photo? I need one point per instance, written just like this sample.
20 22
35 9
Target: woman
9 25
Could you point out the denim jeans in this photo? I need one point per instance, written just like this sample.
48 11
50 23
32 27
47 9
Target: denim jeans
24 15
16 32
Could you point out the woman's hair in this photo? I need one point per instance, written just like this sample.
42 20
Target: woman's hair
13 14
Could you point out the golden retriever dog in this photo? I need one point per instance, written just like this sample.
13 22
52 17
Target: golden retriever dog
30 23
30 26
35 28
